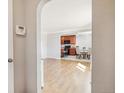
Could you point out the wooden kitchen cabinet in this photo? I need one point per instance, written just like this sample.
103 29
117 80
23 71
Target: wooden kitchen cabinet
72 51
62 39
62 52
71 38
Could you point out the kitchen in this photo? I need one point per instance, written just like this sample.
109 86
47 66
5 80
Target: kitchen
68 45
76 46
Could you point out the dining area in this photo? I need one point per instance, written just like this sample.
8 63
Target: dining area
83 53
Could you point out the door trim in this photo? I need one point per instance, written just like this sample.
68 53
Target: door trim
10 45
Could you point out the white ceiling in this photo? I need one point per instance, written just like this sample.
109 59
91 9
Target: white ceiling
60 15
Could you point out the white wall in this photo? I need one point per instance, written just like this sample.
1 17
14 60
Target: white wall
84 40
53 45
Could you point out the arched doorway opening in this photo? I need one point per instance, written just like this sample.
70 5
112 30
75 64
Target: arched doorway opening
39 49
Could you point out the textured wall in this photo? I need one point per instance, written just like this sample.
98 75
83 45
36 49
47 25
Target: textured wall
32 68
19 47
103 46
31 47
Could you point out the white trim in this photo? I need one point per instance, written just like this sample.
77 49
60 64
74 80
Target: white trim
53 58
10 47
40 70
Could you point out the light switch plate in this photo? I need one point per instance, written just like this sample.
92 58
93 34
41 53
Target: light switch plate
20 30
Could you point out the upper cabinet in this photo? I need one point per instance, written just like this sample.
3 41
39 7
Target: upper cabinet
62 39
71 38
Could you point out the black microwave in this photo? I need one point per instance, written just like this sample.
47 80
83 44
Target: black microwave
67 42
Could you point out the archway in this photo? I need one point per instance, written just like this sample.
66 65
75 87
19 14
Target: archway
39 30
40 80
100 68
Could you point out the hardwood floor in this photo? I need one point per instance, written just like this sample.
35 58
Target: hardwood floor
66 77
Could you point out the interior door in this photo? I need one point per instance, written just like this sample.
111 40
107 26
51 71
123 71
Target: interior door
10 48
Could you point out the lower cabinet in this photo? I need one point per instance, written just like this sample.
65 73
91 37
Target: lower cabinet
72 51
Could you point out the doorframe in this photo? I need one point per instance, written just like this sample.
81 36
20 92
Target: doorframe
40 70
10 37
40 66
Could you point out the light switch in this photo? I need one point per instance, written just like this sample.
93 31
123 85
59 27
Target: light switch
20 30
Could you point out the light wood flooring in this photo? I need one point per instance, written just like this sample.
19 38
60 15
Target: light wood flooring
66 76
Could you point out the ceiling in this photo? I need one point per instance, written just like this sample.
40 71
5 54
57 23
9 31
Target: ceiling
66 15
